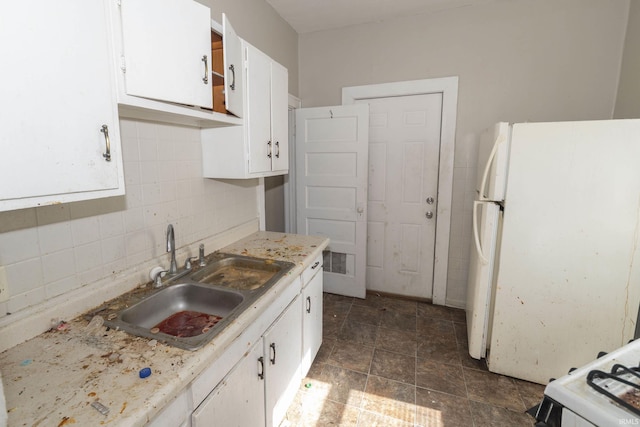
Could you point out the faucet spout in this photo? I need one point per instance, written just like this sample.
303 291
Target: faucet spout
171 247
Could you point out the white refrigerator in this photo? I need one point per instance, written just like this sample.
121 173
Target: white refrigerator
555 261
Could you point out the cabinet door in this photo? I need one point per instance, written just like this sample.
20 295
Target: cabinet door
311 321
258 107
238 401
280 116
167 50
233 70
56 92
282 348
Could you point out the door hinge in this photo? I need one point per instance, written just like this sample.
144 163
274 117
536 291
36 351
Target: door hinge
123 64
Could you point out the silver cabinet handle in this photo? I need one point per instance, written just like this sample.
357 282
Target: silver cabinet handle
205 79
232 86
261 362
308 304
273 359
270 149
107 154
277 149
314 266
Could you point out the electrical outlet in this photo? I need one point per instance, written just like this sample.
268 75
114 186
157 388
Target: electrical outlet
4 286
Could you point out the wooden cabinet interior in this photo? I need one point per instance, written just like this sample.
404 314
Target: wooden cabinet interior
217 73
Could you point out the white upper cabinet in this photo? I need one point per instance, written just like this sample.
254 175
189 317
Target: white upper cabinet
260 147
167 50
164 64
56 97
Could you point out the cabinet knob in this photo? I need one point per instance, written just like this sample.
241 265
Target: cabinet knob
107 154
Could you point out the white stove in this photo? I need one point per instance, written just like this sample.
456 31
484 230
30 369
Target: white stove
573 401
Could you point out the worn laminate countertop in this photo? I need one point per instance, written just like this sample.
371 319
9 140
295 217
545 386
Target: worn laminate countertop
52 379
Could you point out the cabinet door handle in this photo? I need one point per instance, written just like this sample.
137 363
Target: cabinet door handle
315 265
270 149
232 86
261 362
205 79
277 149
308 304
273 349
107 154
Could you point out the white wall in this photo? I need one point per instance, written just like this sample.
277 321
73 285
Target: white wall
522 60
628 99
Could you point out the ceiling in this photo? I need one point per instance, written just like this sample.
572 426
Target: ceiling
306 16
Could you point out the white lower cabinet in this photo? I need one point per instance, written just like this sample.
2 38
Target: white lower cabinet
262 385
253 382
311 314
238 401
282 344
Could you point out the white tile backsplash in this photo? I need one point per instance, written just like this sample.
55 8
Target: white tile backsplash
53 250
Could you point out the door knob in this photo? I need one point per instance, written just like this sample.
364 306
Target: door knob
429 215
430 200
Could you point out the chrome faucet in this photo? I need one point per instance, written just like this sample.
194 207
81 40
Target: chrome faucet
171 247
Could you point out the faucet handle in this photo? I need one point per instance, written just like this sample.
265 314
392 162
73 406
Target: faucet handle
187 263
201 255
157 279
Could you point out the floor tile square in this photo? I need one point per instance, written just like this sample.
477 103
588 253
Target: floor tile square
398 321
496 390
353 356
441 377
397 341
485 415
360 333
441 409
390 398
394 366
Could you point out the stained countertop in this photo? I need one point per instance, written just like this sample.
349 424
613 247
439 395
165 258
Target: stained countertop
53 379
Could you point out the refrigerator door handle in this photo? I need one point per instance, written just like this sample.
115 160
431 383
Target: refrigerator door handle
476 233
483 184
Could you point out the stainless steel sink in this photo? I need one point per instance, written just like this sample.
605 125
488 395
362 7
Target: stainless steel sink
186 314
191 312
242 273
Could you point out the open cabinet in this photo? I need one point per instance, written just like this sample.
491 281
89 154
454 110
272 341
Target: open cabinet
260 147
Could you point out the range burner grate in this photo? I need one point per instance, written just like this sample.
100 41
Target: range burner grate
621 376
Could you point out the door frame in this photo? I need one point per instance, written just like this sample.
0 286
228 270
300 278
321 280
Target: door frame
290 216
448 87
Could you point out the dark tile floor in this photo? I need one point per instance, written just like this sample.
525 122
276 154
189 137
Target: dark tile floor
390 362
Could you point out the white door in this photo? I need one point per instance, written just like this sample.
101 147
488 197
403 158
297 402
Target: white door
178 68
404 150
331 169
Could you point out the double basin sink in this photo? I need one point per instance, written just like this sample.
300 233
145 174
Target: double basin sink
190 311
